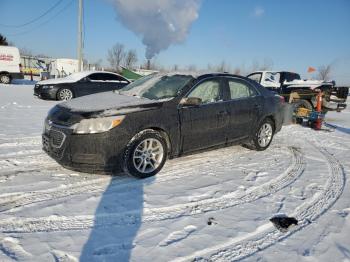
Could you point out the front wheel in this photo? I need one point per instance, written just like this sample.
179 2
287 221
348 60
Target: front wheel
64 94
5 79
263 136
145 155
301 104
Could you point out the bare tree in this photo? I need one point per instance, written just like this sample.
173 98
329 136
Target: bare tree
25 51
223 67
192 68
324 72
97 64
42 56
3 40
237 71
116 55
255 65
130 59
267 65
175 68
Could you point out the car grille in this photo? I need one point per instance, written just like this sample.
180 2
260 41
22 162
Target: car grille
53 140
36 90
56 138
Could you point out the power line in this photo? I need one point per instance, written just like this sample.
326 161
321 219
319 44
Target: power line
83 25
45 22
37 18
80 35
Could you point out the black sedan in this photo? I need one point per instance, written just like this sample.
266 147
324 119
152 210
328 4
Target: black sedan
158 117
79 84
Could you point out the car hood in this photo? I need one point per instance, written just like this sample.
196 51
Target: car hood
109 103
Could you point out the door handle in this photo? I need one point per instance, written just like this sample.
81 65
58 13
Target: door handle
223 113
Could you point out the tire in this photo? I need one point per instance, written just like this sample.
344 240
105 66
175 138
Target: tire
64 94
145 154
5 79
266 130
301 104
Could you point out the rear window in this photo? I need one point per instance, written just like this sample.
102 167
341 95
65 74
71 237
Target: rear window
240 90
255 77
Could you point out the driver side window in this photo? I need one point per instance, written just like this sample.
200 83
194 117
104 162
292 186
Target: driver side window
208 91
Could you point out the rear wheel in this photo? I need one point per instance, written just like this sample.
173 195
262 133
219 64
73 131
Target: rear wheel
301 104
145 154
64 94
5 79
297 105
263 136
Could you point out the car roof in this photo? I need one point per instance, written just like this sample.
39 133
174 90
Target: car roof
199 75
271 71
206 75
79 75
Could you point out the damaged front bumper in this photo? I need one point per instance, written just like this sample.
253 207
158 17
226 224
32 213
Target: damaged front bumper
91 153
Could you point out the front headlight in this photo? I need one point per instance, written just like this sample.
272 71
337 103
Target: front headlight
97 125
47 87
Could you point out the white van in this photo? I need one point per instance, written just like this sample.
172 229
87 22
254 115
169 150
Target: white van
63 67
10 67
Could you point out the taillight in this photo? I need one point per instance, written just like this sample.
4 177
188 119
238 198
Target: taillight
282 101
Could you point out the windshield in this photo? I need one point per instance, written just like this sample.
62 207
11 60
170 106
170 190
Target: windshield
157 87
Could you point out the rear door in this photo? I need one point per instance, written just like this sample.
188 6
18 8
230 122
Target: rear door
113 82
244 106
204 125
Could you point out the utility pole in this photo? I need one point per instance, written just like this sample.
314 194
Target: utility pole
80 35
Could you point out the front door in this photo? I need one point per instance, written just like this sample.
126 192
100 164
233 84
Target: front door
88 85
204 125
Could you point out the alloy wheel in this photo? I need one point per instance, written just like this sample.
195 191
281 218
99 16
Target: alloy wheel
65 94
5 79
265 134
148 155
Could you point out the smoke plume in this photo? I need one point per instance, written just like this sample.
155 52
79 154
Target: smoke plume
160 23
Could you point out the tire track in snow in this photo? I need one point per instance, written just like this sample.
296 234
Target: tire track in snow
19 140
12 144
12 248
267 235
25 162
21 153
99 185
61 223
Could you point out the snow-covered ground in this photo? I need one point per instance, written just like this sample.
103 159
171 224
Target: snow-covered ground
213 206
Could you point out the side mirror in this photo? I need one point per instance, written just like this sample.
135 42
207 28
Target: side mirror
190 101
85 80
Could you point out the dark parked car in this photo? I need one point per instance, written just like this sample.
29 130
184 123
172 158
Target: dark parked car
158 117
79 84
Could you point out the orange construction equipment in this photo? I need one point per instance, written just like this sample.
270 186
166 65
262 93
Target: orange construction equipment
311 69
318 122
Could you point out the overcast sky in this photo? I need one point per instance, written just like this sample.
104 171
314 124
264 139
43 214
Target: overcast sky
292 34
